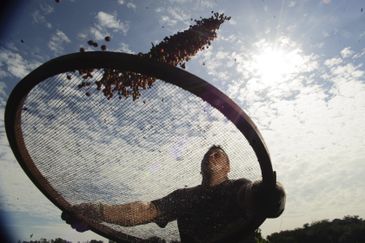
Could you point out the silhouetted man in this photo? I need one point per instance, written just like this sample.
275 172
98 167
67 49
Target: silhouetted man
218 210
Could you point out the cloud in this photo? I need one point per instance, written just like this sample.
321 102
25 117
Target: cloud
106 22
82 36
98 33
125 48
111 21
171 16
3 95
39 15
12 63
263 71
46 9
346 52
57 41
322 120
18 194
178 14
201 4
131 5
292 4
310 120
359 54
40 19
333 61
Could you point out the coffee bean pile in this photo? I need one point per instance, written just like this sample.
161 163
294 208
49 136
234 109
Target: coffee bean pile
174 50
179 48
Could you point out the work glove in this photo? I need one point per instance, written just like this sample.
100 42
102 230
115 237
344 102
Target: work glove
92 211
268 200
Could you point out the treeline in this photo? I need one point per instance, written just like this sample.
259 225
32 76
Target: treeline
350 229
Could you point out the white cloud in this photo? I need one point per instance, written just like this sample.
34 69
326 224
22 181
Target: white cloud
3 97
346 72
82 36
40 19
311 121
359 54
2 89
17 193
201 4
121 2
57 41
3 73
346 52
131 5
39 15
98 33
107 22
174 15
292 4
125 48
166 20
323 122
46 9
178 14
111 21
333 61
14 64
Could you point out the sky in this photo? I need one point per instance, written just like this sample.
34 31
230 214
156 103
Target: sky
295 67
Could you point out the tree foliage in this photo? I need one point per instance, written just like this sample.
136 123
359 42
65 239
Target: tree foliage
350 229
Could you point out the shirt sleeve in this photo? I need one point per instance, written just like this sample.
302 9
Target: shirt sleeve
169 207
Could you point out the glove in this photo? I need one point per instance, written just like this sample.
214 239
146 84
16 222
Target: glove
270 201
92 211
74 223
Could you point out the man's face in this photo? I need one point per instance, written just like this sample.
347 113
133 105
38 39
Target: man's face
215 162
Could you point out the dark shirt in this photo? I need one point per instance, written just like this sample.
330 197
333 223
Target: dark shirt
205 213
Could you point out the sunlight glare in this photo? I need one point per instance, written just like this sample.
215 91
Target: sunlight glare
277 64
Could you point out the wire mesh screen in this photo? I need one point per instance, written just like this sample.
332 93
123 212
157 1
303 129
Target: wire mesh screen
117 151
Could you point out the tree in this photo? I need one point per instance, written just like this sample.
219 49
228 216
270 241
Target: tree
347 230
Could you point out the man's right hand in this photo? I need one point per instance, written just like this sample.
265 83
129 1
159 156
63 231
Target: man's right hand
92 211
74 223
269 201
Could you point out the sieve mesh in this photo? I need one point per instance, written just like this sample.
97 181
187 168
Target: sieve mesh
91 149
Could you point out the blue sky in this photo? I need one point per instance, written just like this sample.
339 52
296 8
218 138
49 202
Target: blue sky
296 67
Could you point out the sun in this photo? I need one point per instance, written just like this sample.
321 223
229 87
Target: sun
277 64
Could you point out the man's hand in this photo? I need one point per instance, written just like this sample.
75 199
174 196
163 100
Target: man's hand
269 200
74 223
92 211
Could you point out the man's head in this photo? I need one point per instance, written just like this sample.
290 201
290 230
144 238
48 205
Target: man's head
215 163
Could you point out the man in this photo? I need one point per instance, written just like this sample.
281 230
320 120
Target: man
218 210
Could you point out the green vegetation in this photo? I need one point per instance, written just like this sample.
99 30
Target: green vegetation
350 229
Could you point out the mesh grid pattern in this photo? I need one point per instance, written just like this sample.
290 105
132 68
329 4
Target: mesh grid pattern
91 149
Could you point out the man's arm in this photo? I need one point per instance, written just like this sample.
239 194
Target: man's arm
160 211
129 214
258 200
